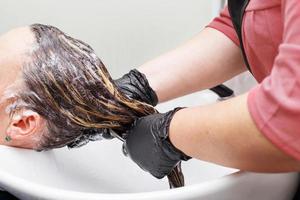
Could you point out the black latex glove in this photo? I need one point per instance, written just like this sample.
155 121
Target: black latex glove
136 86
148 144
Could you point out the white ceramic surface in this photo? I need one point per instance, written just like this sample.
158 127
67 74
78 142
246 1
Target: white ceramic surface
100 171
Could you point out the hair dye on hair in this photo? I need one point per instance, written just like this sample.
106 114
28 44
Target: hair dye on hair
68 85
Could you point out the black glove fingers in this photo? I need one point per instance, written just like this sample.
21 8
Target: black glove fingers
136 86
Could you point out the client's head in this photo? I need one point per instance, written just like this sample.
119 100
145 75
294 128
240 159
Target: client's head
55 91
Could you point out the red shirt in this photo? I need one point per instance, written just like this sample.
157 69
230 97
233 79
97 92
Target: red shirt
271 37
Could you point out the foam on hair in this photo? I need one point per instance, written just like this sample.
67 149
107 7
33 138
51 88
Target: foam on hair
68 85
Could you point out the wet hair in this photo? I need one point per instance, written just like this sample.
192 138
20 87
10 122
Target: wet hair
68 86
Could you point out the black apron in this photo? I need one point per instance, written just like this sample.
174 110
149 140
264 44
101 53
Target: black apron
237 10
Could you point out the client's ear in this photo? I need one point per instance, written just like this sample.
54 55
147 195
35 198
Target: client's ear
25 129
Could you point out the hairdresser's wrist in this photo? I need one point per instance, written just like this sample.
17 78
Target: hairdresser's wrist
136 86
148 145
169 140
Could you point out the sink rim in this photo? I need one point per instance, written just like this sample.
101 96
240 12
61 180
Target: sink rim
28 187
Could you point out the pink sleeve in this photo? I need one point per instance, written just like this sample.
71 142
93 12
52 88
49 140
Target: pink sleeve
224 24
275 103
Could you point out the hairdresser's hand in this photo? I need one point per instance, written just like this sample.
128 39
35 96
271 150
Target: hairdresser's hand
148 144
135 85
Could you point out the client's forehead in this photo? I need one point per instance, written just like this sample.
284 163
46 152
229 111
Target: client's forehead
16 41
13 47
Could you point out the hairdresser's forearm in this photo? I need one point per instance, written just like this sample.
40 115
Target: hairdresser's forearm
206 60
225 134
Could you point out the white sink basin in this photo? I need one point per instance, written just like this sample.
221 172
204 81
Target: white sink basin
100 171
